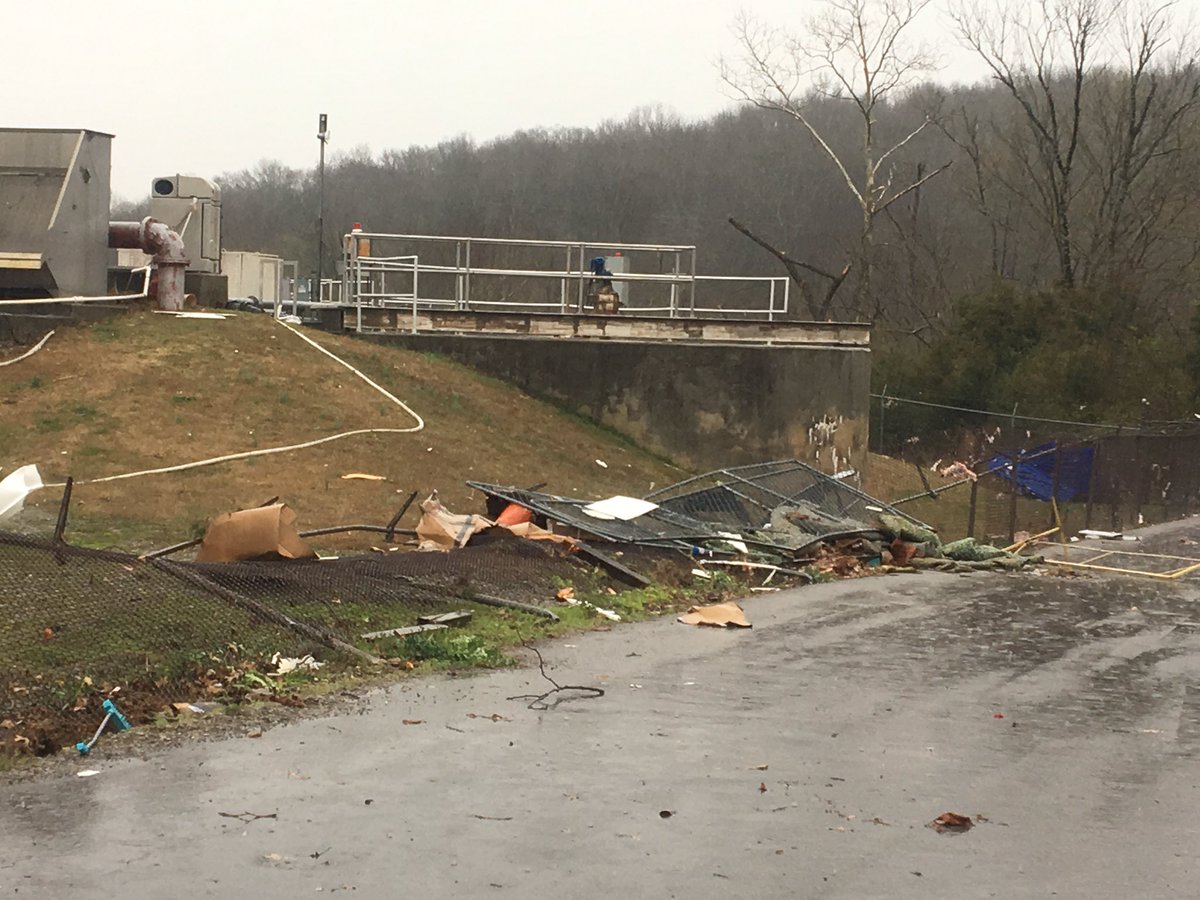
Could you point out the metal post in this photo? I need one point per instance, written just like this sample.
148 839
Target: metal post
771 303
971 509
1055 481
692 292
1015 450
322 136
1087 520
1114 488
882 414
582 253
675 286
562 285
458 282
467 278
1139 478
356 276
416 293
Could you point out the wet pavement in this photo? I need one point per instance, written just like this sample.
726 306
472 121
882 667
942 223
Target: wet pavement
863 708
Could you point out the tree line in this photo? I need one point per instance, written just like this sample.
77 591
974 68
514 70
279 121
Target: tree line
1054 201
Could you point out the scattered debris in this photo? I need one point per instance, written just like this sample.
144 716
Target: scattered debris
952 823
362 476
286 664
412 721
762 787
440 529
746 565
1092 534
266 531
619 507
567 595
424 623
493 818
196 708
495 717
958 470
720 615
665 813
87 773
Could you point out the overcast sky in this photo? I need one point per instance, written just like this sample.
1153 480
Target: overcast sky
207 87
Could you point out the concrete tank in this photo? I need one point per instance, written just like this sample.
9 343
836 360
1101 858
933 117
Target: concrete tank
54 198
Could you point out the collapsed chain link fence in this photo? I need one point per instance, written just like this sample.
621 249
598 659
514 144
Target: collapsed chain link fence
76 623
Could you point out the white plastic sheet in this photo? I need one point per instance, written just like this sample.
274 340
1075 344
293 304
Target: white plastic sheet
15 487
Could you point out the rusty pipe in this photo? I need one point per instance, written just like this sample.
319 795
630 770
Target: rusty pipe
166 250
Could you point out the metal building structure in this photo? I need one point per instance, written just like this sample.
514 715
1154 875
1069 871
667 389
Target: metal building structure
191 207
54 198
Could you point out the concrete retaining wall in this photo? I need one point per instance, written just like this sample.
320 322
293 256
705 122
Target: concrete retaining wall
702 405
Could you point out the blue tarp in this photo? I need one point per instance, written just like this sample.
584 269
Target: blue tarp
1035 471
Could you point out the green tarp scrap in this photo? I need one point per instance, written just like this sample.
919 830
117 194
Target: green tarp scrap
896 527
970 550
1008 562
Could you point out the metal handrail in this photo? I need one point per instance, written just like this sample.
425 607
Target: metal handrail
360 271
528 242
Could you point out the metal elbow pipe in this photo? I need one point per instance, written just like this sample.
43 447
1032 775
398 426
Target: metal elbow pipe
166 250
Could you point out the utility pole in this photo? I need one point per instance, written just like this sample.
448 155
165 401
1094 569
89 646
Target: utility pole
322 136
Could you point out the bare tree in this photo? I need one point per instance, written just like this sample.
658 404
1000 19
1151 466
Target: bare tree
1043 53
1103 88
857 51
1140 110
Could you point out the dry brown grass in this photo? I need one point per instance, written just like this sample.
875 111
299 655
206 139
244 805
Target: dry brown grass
143 390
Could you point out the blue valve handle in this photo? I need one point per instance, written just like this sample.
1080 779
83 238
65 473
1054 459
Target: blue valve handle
111 709
111 713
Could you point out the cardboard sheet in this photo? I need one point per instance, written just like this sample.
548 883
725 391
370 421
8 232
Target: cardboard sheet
251 533
720 615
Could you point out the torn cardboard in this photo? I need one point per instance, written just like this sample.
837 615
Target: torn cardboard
719 615
440 529
532 532
253 533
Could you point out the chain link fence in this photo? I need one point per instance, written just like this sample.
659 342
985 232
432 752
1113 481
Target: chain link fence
992 476
78 626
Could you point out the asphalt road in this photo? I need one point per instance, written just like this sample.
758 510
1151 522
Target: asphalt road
864 708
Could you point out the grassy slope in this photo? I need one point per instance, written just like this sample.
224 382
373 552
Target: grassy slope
143 390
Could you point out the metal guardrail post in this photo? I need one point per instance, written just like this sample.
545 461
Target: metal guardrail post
693 287
467 278
458 278
675 286
416 263
562 284
356 268
582 254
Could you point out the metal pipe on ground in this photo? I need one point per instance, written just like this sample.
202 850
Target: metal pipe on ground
166 249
